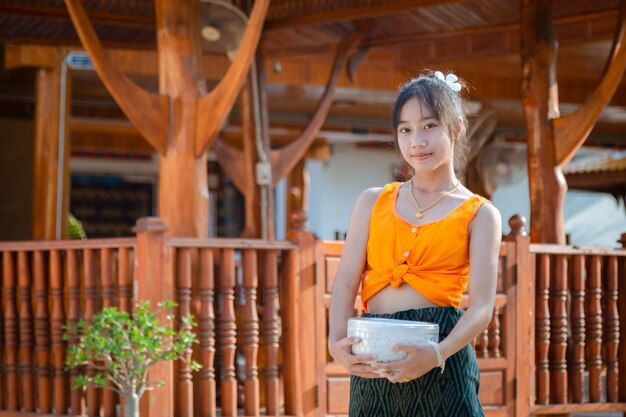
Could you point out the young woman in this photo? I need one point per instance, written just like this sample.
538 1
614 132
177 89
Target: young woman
414 247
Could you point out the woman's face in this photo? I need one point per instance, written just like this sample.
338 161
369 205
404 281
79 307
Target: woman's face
423 140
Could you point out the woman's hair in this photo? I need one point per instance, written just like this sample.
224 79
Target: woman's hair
446 106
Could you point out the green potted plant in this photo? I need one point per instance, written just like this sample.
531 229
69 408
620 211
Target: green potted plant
121 348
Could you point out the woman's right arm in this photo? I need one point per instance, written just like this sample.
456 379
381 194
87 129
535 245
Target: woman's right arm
346 286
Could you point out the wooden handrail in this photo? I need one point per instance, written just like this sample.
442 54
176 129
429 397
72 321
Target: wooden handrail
46 245
551 249
227 243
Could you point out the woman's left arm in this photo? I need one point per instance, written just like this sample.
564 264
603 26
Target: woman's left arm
485 238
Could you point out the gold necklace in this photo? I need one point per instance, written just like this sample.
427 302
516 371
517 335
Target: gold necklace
420 211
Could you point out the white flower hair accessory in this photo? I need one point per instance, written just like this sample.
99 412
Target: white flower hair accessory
449 79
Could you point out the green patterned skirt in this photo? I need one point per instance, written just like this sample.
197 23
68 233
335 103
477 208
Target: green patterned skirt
451 394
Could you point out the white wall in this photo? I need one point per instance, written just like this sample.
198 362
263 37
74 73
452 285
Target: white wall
336 184
590 218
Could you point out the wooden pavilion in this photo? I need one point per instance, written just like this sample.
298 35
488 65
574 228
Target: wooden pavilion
150 81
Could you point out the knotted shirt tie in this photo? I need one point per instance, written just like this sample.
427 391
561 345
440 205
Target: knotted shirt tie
400 272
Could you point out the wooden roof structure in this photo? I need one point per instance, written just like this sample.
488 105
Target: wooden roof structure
505 49
479 40
605 173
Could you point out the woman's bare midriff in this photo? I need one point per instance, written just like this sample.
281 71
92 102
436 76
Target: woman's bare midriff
390 300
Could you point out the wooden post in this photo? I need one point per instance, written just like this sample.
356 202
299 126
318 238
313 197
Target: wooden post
155 285
183 188
553 140
540 102
525 335
297 188
292 325
48 111
517 223
182 120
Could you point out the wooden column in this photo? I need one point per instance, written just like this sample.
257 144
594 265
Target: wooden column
155 285
553 140
249 189
183 120
311 369
183 188
540 103
48 113
525 326
292 326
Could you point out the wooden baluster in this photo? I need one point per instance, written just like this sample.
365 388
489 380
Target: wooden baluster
10 331
577 358
3 389
494 334
543 329
73 315
227 333
42 334
594 329
250 332
184 387
483 344
558 342
612 332
124 289
125 282
109 398
621 308
26 333
206 330
271 333
57 319
290 300
91 293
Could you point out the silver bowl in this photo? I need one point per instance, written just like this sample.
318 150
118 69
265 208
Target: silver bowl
378 336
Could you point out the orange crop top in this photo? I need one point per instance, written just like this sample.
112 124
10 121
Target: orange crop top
433 258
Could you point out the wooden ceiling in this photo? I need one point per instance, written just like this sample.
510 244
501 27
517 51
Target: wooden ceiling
477 39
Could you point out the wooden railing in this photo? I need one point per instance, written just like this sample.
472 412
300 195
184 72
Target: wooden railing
44 286
243 294
495 347
554 345
580 312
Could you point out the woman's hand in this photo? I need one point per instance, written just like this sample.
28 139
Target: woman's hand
359 365
419 360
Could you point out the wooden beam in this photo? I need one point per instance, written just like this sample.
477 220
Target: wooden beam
331 11
60 13
148 112
571 131
597 181
88 127
17 56
285 159
502 39
219 102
